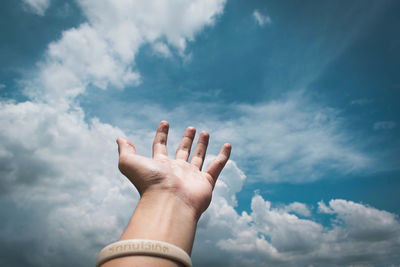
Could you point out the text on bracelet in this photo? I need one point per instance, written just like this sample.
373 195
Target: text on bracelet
143 245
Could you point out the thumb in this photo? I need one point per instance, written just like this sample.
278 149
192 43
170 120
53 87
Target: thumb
125 146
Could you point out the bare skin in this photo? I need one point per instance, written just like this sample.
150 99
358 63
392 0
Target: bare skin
174 192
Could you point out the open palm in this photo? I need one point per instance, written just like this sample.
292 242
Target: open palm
162 174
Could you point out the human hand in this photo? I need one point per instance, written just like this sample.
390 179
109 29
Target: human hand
177 177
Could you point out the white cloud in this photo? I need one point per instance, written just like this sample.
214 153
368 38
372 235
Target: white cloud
2 86
288 233
65 168
101 52
162 49
260 18
37 7
363 223
230 182
299 208
384 125
358 235
151 20
323 208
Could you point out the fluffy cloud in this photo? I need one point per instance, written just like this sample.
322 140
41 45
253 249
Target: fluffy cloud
61 171
298 208
82 57
363 223
162 49
101 52
260 18
37 7
150 20
358 235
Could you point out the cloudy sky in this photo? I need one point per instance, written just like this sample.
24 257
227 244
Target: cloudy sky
307 93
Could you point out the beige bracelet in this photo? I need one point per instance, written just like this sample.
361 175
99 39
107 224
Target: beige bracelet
143 247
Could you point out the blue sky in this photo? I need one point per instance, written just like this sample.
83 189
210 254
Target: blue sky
307 93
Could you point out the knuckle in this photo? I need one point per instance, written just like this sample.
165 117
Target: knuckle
210 179
185 147
200 152
219 162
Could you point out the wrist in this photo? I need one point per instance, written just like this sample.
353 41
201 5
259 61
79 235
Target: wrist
174 202
165 217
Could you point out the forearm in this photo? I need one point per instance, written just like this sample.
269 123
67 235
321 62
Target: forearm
159 216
